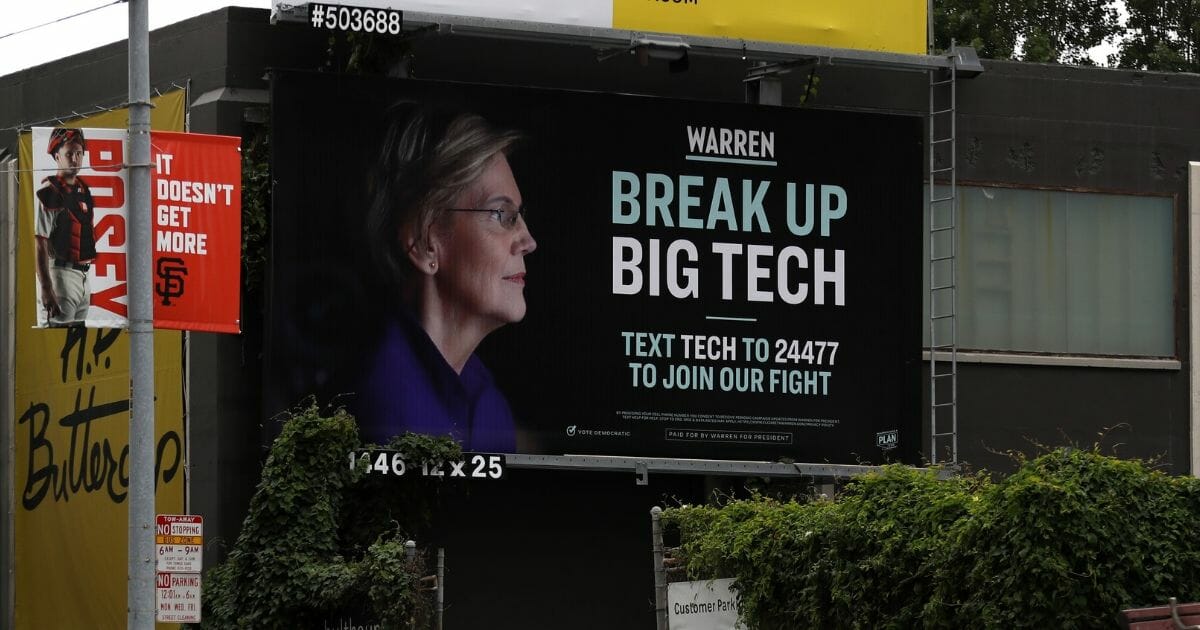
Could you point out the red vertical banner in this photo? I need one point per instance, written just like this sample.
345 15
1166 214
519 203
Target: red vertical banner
197 206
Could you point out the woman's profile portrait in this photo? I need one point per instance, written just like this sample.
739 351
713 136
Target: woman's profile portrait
447 237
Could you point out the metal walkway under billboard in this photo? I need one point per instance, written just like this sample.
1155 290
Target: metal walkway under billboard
642 467
962 58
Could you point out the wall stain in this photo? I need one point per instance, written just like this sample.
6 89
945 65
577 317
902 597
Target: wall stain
1090 162
974 151
1021 157
1158 169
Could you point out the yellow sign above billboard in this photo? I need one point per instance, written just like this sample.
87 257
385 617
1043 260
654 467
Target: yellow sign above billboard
889 26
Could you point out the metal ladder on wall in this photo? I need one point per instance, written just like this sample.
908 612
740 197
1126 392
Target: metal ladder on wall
942 208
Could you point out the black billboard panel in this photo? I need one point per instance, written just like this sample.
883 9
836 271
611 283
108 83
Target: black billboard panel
633 276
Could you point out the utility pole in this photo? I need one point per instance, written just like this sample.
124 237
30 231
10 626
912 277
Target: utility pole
141 328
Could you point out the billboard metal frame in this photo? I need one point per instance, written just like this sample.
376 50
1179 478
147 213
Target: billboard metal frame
762 88
643 466
618 38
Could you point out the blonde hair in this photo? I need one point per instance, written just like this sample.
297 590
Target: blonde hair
428 158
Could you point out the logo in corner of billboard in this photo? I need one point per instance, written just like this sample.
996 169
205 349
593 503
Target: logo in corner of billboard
571 430
887 440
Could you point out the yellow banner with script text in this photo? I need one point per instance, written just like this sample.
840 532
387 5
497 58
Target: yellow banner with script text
890 26
71 464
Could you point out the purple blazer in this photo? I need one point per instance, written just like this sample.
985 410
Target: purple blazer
409 386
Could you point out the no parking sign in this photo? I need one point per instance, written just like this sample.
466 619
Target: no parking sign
178 543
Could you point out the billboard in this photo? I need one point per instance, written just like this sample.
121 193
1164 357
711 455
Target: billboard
80 218
896 26
70 453
635 276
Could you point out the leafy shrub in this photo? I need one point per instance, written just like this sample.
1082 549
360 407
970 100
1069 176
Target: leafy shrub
321 539
1069 540
855 562
1066 542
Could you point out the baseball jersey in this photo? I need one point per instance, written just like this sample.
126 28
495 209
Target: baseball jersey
65 214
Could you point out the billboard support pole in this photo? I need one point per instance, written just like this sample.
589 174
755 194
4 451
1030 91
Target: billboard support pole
141 327
441 587
763 86
1193 223
660 574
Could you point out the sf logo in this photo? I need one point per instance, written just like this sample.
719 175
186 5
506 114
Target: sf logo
171 272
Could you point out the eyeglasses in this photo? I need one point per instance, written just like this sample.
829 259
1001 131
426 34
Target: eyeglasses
506 216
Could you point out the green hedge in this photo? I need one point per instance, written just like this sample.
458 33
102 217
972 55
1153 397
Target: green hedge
322 541
1067 541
